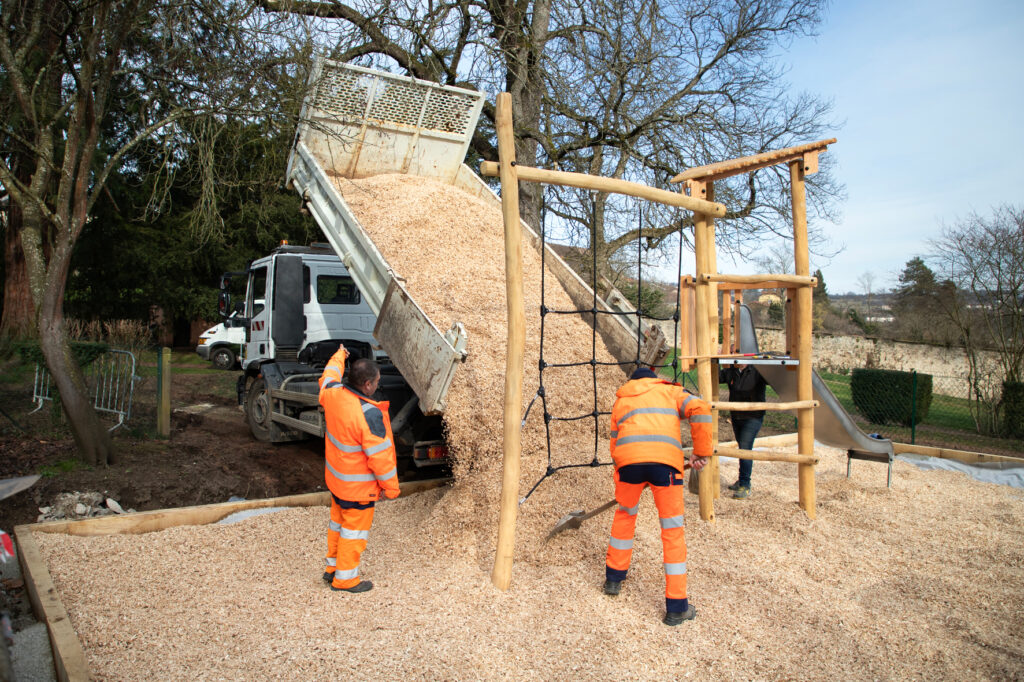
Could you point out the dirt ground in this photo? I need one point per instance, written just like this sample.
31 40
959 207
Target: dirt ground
209 457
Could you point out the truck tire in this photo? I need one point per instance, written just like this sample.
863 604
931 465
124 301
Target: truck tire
257 411
223 358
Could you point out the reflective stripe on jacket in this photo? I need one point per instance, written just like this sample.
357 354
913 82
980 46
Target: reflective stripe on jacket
646 423
358 446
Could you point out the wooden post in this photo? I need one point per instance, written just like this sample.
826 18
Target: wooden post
728 343
163 393
706 299
687 332
803 324
736 317
788 309
501 576
712 263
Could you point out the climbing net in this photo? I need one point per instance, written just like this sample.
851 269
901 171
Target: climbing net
593 362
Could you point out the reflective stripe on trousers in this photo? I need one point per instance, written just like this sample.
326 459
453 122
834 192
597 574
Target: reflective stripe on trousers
347 534
669 501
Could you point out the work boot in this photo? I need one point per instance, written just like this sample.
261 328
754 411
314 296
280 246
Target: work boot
677 617
328 577
361 586
612 587
742 492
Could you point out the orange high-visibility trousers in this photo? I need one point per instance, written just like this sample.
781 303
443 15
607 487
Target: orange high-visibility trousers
347 534
669 501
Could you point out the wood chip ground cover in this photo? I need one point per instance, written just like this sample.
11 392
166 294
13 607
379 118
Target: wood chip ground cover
922 580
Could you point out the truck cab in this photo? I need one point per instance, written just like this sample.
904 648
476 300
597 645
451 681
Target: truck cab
300 305
221 344
313 306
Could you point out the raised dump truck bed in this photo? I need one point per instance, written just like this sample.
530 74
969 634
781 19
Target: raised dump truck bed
360 122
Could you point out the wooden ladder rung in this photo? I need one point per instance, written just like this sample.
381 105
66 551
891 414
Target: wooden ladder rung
771 407
792 280
766 456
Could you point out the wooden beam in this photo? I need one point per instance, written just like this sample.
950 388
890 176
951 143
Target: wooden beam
687 331
746 164
501 575
603 184
964 456
690 280
150 521
69 660
759 279
771 407
803 327
770 456
706 298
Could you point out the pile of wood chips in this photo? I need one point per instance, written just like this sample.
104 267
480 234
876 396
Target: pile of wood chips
920 580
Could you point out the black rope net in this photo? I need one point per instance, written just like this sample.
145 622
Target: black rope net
594 311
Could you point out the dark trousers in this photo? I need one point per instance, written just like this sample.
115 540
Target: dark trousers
745 431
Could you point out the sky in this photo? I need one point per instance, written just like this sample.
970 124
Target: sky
930 100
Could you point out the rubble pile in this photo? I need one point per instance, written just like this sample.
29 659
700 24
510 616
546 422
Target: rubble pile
78 505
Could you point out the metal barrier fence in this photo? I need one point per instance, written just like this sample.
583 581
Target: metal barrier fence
110 378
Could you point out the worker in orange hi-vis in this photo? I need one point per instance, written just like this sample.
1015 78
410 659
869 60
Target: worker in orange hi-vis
360 464
647 451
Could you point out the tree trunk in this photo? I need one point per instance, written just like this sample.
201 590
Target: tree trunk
92 438
523 46
47 282
18 311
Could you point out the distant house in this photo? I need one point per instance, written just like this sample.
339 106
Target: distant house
769 298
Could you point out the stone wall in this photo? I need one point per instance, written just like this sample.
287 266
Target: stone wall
841 354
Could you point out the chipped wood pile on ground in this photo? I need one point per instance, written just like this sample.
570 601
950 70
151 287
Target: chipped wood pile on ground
919 580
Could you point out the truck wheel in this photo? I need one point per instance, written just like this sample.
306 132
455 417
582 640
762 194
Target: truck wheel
257 411
223 358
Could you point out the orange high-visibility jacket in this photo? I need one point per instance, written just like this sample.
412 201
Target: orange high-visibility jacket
359 446
646 423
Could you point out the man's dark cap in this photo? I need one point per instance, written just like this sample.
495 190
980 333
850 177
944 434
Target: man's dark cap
643 373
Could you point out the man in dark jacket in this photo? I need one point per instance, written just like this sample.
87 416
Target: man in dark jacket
746 385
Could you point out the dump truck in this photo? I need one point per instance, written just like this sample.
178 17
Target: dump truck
355 123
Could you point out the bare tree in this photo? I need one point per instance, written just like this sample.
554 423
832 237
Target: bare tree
985 300
83 84
654 89
866 282
623 88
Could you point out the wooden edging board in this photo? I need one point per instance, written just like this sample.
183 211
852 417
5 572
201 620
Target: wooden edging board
68 655
960 455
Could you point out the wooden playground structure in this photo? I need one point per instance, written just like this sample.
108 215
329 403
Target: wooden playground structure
705 285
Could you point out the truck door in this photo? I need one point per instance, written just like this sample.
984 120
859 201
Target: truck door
337 309
257 341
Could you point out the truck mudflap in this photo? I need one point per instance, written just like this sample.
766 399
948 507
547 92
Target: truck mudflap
424 356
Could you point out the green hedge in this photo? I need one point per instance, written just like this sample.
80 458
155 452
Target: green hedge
885 396
1013 409
84 351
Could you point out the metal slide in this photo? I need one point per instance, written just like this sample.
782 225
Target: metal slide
832 423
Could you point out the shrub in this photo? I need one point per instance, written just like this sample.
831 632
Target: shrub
885 396
84 352
1013 409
